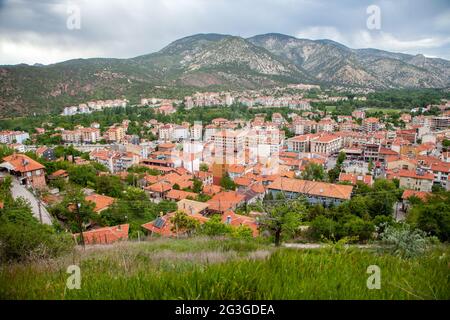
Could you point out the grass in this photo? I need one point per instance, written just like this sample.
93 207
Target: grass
228 269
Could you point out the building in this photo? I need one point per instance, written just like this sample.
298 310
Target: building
418 180
8 137
355 178
106 235
440 123
28 171
101 202
314 191
359 114
196 132
326 144
115 134
370 124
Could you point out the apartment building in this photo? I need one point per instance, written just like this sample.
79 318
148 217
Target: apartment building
115 134
326 144
9 137
370 124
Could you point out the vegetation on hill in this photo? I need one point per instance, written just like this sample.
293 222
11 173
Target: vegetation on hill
228 269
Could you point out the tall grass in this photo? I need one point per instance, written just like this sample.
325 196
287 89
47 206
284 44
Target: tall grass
225 269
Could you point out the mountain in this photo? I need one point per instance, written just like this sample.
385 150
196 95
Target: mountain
332 62
213 62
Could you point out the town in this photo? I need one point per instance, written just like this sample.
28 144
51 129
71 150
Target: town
225 168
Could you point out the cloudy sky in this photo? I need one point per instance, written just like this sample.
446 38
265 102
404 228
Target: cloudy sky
47 31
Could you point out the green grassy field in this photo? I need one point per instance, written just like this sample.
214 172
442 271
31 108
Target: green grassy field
228 269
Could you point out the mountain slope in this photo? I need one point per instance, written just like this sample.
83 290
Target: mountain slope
212 62
332 62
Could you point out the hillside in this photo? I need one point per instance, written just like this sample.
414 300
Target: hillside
226 269
213 62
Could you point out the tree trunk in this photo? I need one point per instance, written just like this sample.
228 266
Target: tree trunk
278 237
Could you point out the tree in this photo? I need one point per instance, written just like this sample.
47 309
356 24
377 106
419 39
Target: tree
109 185
75 210
204 167
340 159
197 185
433 215
182 223
313 171
215 227
176 186
227 183
282 219
83 175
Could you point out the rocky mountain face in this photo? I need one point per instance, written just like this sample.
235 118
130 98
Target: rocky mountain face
213 61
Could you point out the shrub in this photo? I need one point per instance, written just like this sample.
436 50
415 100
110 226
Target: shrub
404 241
23 237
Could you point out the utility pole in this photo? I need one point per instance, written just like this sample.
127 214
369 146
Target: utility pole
80 224
38 196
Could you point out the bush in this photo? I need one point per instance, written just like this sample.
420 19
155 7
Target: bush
20 242
404 241
22 237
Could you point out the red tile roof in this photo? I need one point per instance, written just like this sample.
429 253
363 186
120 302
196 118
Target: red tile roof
101 202
105 235
23 163
419 194
314 188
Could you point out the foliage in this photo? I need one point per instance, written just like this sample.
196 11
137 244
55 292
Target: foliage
22 237
214 227
229 269
109 185
313 171
227 183
182 223
405 241
282 220
433 215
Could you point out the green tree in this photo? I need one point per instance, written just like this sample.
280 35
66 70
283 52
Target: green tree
227 183
109 185
197 185
204 167
182 223
313 171
282 220
215 227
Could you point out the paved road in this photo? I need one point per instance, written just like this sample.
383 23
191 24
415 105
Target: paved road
17 190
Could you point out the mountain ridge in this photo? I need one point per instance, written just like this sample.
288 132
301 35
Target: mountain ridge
215 61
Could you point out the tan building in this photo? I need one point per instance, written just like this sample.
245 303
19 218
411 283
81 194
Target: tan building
326 144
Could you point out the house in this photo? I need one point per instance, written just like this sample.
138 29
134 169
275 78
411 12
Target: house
59 174
355 178
105 235
164 227
177 195
192 206
314 191
101 202
236 220
225 200
29 172
422 195
418 180
46 153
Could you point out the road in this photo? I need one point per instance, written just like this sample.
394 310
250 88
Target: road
18 190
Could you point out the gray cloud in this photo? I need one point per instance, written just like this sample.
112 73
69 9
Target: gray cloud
35 31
